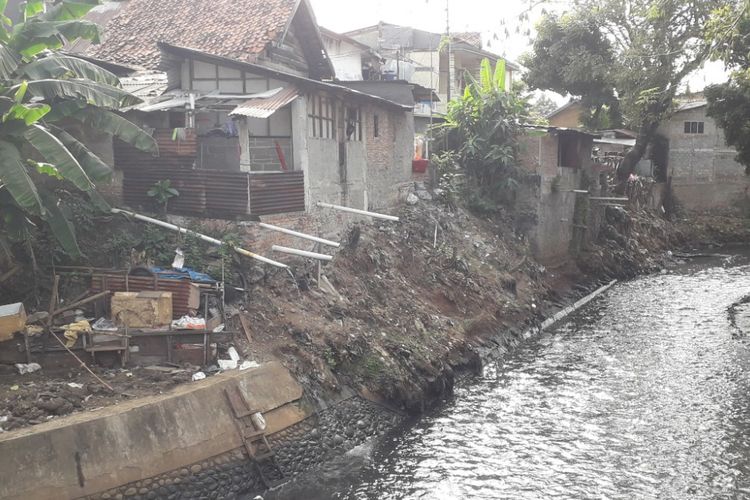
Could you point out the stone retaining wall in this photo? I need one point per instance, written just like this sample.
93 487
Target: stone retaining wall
87 453
184 444
299 448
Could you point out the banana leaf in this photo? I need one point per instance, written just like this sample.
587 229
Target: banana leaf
9 61
57 66
34 36
96 94
60 226
54 151
95 168
16 179
500 75
118 126
70 9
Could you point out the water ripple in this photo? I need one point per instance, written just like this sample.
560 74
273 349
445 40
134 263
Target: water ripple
643 394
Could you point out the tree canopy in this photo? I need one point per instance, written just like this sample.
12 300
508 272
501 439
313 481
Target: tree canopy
640 50
729 103
43 91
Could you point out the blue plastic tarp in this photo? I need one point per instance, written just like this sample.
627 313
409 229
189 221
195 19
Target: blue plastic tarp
183 274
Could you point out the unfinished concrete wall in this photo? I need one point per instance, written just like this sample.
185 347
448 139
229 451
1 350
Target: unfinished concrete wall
539 154
552 200
704 174
91 452
553 203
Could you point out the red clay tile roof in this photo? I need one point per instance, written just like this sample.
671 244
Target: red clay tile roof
237 29
471 37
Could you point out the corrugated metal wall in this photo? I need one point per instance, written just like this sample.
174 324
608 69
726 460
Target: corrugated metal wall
210 193
121 283
277 193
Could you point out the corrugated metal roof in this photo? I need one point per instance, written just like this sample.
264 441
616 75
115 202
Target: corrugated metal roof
145 85
266 106
618 142
691 105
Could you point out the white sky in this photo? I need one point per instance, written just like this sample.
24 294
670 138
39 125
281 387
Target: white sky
465 15
490 17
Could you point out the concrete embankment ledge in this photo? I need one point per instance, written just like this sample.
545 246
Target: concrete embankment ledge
92 452
185 444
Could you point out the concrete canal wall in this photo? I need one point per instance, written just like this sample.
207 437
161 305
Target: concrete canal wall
184 444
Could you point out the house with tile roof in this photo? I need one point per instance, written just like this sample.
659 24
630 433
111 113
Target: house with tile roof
414 55
241 97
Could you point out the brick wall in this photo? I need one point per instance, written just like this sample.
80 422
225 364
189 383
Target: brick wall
389 155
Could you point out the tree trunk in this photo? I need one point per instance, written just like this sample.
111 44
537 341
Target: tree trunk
646 134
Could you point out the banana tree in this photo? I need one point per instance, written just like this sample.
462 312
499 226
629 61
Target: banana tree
482 126
43 91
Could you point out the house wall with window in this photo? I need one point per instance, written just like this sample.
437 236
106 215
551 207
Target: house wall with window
704 174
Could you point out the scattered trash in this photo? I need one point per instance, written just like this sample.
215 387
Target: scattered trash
258 421
72 330
37 317
246 365
179 259
227 364
412 199
14 387
165 369
189 323
104 325
233 355
219 328
24 368
75 385
423 194
198 376
34 330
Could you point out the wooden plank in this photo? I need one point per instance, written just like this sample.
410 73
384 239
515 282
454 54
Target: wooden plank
246 328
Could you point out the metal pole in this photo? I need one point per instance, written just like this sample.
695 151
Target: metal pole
358 212
302 253
299 235
203 237
448 38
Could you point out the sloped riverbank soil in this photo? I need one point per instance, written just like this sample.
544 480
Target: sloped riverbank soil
415 302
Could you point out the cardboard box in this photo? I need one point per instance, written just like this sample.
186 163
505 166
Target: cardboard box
194 297
142 309
12 320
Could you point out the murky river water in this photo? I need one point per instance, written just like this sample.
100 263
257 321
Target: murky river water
645 393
